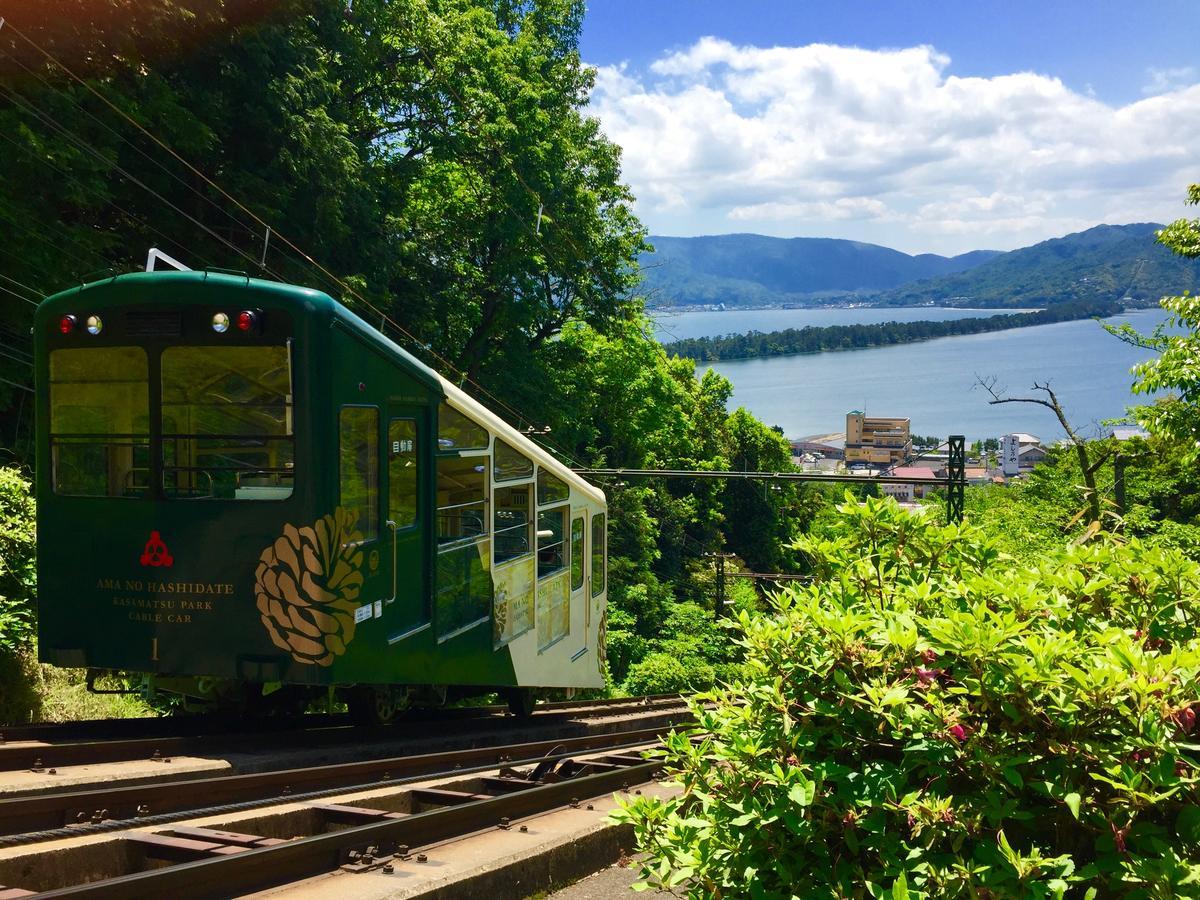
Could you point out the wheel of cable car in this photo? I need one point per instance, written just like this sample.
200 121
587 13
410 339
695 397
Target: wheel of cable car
377 704
521 701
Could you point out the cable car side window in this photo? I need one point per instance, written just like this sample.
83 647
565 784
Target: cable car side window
552 542
100 422
457 432
402 472
550 489
598 552
576 553
464 576
510 464
227 423
512 522
358 430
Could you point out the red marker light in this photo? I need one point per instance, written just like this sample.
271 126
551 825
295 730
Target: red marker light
246 320
66 324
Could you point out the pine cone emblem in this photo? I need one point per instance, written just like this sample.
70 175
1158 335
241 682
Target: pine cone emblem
307 584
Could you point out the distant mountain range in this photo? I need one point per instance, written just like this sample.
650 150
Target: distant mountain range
1107 262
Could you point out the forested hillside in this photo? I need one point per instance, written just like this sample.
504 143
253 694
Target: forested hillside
752 269
1108 262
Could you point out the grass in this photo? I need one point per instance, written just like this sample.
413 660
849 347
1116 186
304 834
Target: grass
34 692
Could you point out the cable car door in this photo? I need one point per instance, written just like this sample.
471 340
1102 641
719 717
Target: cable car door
405 543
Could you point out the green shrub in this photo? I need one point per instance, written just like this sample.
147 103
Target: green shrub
623 645
20 687
18 575
662 673
931 719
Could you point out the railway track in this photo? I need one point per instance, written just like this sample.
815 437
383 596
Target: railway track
135 841
43 748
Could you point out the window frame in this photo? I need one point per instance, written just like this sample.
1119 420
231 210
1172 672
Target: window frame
162 437
582 556
497 442
153 348
486 446
563 510
485 500
602 581
416 423
461 544
373 453
529 524
566 496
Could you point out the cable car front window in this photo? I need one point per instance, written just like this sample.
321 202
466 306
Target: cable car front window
227 423
100 422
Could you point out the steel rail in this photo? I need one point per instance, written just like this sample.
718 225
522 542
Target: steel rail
204 723
38 755
266 867
19 816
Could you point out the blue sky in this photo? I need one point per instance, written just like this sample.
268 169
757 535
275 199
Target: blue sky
928 126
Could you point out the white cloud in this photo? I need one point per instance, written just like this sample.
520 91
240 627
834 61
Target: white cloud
1164 81
889 146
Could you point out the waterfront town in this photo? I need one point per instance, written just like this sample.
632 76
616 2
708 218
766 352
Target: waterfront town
871 445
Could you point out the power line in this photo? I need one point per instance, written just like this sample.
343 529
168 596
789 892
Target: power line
18 296
107 201
83 144
23 387
15 358
89 256
32 290
130 144
282 238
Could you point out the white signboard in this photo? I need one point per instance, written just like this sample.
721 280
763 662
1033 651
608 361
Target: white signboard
1010 460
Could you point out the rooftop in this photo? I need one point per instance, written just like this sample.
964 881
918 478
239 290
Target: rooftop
913 472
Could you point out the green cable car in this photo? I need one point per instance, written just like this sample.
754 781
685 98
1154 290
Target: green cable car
252 496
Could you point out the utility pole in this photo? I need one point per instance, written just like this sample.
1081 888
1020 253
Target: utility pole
1119 463
956 476
720 558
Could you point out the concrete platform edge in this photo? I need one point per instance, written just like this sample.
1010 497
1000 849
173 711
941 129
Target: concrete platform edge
546 869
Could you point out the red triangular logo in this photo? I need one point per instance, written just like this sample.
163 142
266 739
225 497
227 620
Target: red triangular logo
156 552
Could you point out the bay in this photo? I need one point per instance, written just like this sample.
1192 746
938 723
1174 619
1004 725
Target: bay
933 383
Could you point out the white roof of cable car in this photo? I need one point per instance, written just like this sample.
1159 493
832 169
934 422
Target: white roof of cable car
464 403
471 407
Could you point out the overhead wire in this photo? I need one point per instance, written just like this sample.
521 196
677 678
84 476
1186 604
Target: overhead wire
27 287
86 257
15 358
108 202
18 296
129 143
85 145
334 279
283 239
23 387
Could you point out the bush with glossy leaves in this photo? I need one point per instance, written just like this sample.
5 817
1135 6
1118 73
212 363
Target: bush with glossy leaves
933 719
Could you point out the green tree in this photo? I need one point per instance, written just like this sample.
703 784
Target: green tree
433 155
1176 369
